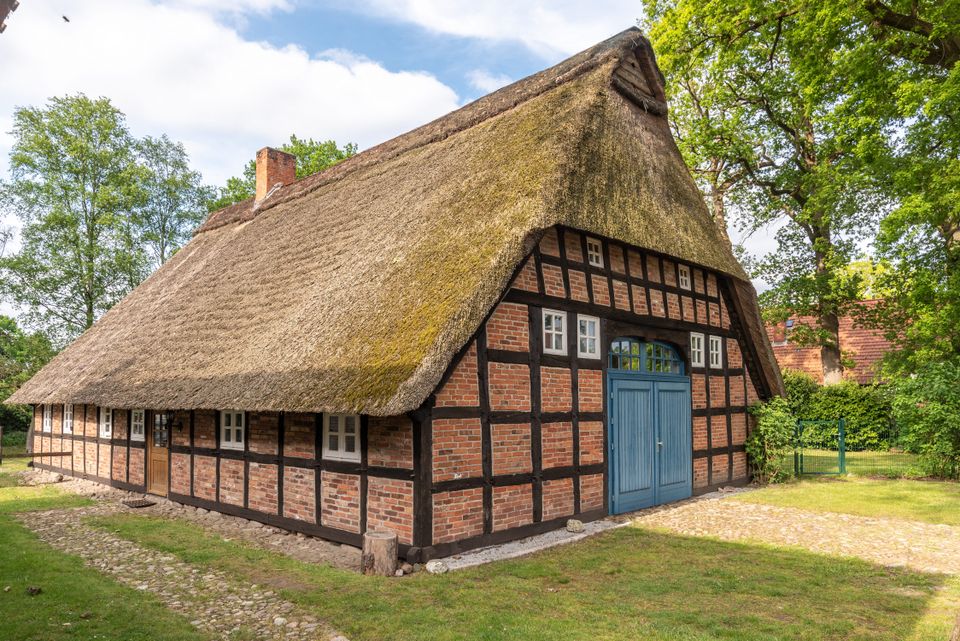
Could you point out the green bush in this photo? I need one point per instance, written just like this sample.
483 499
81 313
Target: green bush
926 407
771 441
865 409
800 387
14 439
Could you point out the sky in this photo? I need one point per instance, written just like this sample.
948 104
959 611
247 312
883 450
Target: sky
227 77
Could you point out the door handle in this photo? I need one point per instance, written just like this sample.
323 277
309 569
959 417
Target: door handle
659 445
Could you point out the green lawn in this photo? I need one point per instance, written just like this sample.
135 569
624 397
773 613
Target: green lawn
929 501
75 602
628 583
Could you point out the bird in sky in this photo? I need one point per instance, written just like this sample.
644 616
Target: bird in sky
66 19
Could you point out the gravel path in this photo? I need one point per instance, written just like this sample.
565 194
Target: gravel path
210 600
891 542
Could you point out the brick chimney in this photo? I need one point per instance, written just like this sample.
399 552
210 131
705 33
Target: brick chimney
274 168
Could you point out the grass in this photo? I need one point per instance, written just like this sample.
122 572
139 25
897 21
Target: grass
75 602
628 583
928 501
889 464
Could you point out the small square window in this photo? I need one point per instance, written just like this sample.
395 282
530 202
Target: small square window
106 422
716 352
696 350
232 433
554 332
594 252
684 272
341 437
47 425
588 337
68 419
137 425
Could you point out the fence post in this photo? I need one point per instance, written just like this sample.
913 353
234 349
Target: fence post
843 446
796 449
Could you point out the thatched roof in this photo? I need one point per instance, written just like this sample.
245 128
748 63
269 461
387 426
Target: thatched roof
353 289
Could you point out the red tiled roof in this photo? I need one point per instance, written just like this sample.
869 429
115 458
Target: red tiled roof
865 346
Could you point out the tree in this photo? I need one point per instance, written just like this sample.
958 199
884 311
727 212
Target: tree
312 157
173 200
22 354
74 179
919 241
765 98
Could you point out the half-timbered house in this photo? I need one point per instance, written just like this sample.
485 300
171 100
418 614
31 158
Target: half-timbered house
514 315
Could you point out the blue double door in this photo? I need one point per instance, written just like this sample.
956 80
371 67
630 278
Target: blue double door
650 448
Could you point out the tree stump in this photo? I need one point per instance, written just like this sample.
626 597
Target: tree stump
379 553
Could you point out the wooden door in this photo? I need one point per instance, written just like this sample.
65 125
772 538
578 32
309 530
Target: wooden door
674 441
158 455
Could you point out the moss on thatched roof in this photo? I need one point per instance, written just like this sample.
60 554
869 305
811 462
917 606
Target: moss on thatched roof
353 289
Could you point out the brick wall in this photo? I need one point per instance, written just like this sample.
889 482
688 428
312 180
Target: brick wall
512 506
231 482
457 515
510 443
461 388
390 442
340 501
300 494
456 448
390 507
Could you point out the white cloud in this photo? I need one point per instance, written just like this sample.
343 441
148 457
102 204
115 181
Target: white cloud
181 69
550 28
483 80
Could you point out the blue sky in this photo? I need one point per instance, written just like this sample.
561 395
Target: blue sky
400 46
227 77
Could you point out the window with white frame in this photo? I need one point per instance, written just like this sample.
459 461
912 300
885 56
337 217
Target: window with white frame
554 332
716 351
47 424
341 437
67 419
232 432
137 425
594 252
684 272
588 337
106 422
696 350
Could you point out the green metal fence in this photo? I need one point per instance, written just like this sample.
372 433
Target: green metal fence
820 460
821 449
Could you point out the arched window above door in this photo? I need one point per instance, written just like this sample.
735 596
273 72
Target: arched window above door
632 355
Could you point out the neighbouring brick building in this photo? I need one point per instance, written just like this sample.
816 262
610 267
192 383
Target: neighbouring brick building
516 314
863 346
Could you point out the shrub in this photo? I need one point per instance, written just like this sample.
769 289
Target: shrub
14 439
926 407
771 441
800 387
865 409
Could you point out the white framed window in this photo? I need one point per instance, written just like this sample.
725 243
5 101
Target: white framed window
684 272
341 437
137 425
554 332
716 351
67 418
696 350
588 336
47 425
232 429
106 422
594 252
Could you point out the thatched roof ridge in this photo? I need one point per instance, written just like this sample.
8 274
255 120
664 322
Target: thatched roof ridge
467 116
352 290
